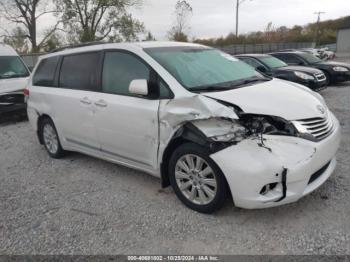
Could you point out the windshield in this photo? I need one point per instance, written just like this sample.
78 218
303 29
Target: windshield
272 62
198 68
11 67
310 58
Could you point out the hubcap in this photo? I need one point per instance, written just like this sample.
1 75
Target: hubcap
50 139
195 179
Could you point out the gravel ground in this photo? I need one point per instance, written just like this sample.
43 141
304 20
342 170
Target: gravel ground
82 205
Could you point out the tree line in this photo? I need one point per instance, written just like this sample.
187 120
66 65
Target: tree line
323 33
79 21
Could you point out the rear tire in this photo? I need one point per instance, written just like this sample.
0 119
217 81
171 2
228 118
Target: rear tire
196 179
50 139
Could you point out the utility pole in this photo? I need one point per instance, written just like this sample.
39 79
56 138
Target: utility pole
238 3
319 13
237 10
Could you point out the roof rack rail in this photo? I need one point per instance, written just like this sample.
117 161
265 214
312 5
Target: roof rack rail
78 45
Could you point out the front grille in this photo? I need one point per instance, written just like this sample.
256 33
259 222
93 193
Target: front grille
318 127
319 173
320 77
11 98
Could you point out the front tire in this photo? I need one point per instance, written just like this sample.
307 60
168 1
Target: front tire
196 179
50 139
328 78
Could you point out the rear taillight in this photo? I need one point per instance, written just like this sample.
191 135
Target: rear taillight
26 92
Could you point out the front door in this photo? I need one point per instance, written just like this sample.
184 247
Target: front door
127 125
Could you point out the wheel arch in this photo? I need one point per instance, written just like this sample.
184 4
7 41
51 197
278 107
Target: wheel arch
187 133
39 123
328 73
171 147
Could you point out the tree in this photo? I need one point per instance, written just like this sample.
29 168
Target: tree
54 42
97 20
18 40
269 32
26 13
183 12
150 37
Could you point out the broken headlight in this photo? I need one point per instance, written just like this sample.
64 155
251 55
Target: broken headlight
236 133
270 125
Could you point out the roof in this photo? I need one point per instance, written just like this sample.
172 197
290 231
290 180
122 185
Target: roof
6 50
287 52
127 46
252 55
346 24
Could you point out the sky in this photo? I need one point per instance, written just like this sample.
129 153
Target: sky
215 18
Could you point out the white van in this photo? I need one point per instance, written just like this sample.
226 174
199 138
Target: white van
14 76
200 119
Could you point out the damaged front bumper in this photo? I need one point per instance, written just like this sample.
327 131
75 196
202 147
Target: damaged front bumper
280 172
12 101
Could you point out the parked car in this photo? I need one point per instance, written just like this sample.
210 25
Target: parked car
316 52
198 118
13 79
334 71
328 54
272 66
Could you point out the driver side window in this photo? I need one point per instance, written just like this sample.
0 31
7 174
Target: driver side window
119 69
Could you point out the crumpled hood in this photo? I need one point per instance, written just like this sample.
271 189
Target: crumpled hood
12 84
277 97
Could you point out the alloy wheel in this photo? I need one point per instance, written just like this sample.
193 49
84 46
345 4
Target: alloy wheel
50 138
196 179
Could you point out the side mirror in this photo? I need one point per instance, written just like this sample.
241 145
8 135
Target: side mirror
301 63
261 69
139 87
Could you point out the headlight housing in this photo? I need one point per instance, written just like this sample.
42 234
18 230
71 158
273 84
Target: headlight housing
340 69
269 125
303 76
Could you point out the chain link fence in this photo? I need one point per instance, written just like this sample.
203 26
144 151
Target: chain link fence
264 48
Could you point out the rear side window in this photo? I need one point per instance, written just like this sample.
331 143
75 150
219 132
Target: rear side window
289 58
45 74
80 71
119 70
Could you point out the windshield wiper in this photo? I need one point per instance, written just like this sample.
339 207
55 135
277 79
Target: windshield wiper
252 80
229 85
209 88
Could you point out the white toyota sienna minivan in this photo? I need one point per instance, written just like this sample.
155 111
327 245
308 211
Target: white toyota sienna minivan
204 122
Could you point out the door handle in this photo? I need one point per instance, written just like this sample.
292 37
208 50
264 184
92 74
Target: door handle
101 103
85 101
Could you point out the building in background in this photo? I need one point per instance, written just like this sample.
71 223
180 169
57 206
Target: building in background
343 37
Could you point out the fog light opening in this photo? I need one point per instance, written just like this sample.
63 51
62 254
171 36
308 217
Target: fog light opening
265 189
